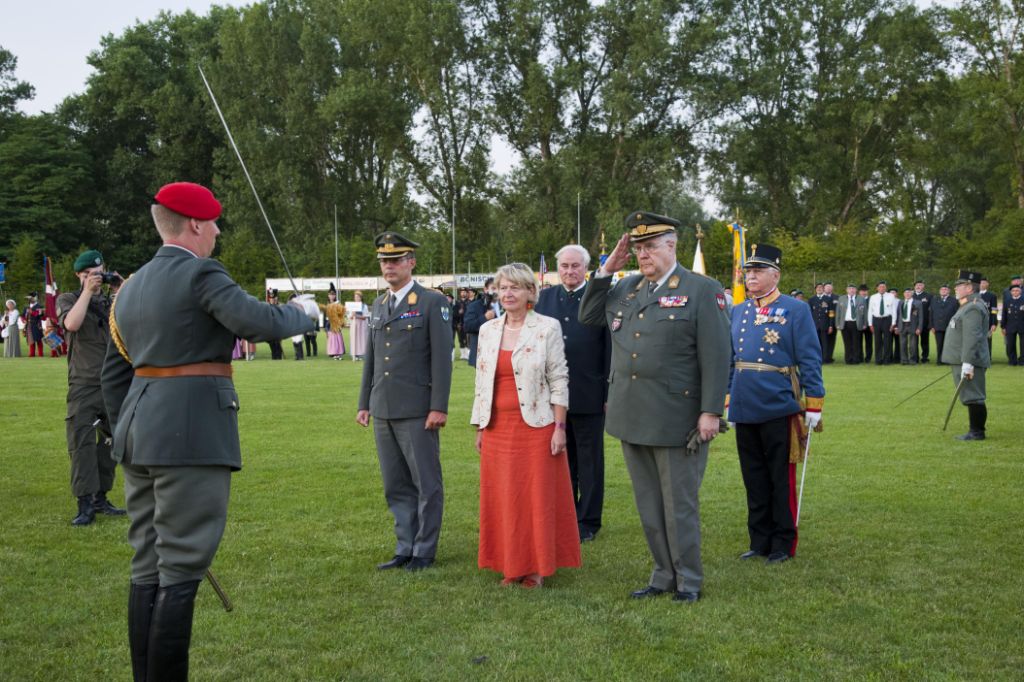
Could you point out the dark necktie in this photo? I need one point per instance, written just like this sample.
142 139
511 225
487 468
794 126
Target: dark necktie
651 286
391 304
881 306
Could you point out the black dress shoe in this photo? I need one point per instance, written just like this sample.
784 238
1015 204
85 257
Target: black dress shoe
397 562
86 513
647 592
686 596
972 435
777 557
418 564
752 554
588 535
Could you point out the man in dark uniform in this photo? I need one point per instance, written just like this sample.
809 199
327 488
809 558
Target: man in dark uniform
83 315
989 299
167 386
966 350
1013 327
852 319
588 353
667 385
925 299
406 381
824 315
775 395
276 350
943 307
833 327
866 335
909 326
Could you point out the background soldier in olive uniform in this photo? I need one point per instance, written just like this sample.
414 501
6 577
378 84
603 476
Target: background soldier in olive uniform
167 385
1013 326
669 372
966 349
83 315
406 381
944 307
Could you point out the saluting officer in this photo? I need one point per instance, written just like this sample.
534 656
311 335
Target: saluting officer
1013 325
966 348
406 381
167 386
668 379
776 379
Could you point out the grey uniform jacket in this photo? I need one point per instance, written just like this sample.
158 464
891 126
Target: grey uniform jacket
408 364
178 310
967 335
670 354
860 312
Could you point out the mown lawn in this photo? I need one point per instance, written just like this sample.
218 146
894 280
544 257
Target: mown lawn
909 563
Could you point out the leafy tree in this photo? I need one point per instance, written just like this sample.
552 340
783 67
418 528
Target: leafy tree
12 91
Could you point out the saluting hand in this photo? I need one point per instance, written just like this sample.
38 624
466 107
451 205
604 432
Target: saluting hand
619 256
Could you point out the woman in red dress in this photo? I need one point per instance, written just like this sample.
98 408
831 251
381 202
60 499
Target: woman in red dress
527 516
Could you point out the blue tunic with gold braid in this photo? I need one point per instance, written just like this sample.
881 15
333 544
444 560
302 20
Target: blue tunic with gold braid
775 331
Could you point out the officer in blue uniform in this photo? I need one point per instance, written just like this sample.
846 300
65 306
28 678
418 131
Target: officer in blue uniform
775 395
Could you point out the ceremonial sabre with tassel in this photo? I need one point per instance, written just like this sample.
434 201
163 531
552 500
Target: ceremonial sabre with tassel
245 170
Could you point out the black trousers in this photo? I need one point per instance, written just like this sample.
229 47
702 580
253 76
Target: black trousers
830 346
868 340
1015 347
310 344
585 445
940 339
770 481
823 342
883 340
276 351
851 343
925 345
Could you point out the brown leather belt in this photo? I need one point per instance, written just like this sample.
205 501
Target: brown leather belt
196 369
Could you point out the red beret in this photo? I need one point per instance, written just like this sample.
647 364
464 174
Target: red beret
190 200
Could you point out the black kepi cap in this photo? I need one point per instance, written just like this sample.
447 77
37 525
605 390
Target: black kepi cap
764 256
969 277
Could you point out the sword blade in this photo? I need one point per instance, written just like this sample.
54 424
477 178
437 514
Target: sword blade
803 477
921 390
952 403
215 584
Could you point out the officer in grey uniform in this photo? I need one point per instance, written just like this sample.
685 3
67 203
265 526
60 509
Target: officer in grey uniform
406 381
83 315
668 379
167 386
966 349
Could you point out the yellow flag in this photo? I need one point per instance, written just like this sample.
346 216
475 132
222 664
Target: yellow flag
739 259
698 261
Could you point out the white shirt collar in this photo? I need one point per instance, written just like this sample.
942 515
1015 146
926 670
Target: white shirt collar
400 294
572 291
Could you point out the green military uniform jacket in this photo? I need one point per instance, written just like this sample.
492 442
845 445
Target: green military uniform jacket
967 341
670 354
88 346
177 310
407 369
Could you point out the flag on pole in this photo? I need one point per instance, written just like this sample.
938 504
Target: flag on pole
739 259
543 269
698 261
51 291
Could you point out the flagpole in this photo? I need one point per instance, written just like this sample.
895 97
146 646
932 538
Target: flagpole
337 275
578 239
455 282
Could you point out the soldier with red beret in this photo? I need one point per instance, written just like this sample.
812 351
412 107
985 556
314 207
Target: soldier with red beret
167 385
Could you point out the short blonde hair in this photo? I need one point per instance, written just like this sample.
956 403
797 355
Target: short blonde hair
518 273
168 223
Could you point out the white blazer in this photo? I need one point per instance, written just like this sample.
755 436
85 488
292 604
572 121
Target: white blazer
541 372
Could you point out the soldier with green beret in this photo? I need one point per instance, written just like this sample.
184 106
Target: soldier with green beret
406 381
966 349
667 384
83 316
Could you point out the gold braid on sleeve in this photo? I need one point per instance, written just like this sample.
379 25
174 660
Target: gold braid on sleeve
115 333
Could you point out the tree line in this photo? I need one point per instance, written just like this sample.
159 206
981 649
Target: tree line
864 135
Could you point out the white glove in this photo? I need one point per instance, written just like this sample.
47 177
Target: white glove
812 419
967 370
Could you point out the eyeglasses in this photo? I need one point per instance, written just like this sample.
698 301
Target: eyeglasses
646 248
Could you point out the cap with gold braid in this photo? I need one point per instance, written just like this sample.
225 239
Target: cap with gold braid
764 256
643 225
393 245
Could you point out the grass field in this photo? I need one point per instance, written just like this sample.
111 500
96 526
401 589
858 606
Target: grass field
909 565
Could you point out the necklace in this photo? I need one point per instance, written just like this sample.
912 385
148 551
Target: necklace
513 329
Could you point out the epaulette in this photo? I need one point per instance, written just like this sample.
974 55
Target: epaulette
115 332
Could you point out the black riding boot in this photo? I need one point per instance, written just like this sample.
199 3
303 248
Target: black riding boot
140 613
102 505
170 632
977 415
86 513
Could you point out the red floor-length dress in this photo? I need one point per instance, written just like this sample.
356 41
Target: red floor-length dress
527 516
